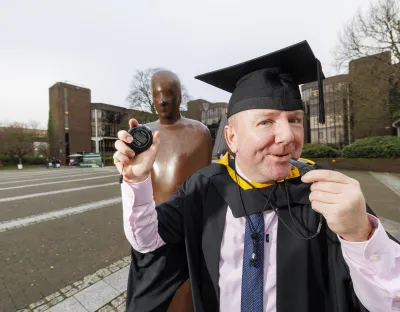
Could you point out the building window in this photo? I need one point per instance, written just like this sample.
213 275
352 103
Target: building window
65 100
93 116
313 109
332 134
320 135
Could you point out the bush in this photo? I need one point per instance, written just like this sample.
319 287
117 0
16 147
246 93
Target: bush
8 161
33 160
319 151
109 161
374 147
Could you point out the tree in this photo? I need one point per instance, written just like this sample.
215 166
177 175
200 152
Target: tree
373 82
140 95
19 139
375 31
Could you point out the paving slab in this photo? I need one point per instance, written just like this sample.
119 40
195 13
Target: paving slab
69 305
96 296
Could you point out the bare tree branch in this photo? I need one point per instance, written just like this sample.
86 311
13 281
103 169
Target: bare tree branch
375 31
18 139
369 34
140 94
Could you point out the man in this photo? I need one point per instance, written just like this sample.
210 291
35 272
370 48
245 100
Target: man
185 147
258 236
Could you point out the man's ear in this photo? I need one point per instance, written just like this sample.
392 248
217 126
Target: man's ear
231 138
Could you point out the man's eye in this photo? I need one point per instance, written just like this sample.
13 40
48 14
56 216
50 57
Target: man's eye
295 120
266 122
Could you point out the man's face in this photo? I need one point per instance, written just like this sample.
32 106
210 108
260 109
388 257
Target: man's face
264 140
166 95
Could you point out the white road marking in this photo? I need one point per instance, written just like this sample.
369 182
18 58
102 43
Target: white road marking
48 178
37 174
44 171
56 182
55 173
389 180
8 199
8 225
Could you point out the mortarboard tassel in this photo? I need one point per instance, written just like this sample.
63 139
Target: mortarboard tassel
321 118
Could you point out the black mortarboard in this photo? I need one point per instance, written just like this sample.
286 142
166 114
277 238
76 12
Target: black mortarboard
270 81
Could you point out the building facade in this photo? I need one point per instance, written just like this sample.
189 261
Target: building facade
70 115
78 125
208 113
335 129
357 105
107 120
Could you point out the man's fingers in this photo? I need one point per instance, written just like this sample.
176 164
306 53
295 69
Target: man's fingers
324 197
321 207
121 158
133 123
124 149
329 187
125 136
326 175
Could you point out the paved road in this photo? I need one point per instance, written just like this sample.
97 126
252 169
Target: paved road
76 230
62 244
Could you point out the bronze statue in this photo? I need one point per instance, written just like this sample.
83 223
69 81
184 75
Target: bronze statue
185 147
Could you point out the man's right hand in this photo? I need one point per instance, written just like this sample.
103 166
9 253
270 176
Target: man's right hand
136 168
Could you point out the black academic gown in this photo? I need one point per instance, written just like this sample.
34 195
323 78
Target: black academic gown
311 274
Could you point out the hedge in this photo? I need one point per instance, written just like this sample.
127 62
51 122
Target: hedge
7 161
319 151
373 147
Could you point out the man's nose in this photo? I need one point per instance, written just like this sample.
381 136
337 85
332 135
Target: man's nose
283 132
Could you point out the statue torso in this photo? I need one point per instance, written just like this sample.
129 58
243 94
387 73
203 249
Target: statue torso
185 147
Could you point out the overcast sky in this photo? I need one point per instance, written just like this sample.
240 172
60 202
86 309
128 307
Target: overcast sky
99 44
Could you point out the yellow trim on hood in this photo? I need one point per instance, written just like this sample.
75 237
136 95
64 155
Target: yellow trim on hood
294 173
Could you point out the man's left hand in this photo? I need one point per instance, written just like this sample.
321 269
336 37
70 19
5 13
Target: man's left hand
340 200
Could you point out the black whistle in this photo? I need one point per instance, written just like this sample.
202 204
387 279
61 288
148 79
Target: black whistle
301 165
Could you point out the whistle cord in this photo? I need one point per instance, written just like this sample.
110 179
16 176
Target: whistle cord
300 236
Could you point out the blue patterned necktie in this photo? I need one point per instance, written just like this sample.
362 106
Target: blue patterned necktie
253 266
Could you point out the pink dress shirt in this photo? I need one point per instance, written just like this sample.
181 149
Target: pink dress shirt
374 265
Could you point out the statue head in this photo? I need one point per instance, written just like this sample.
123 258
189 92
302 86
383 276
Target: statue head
167 94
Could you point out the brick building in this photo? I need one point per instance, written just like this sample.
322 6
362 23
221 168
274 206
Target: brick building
208 113
74 119
357 105
78 125
70 115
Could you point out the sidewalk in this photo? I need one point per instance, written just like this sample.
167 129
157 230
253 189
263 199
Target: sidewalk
104 291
